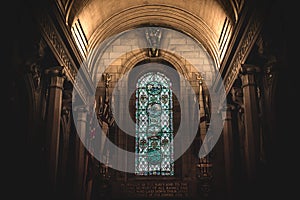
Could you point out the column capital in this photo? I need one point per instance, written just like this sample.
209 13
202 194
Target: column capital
249 69
56 71
247 75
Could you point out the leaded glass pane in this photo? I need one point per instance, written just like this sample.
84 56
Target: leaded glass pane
154 125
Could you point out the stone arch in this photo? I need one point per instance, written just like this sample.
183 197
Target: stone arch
135 57
169 17
173 59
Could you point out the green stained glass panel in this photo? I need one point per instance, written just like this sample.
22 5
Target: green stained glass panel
154 125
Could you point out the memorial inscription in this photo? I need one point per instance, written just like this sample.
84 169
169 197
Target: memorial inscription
156 189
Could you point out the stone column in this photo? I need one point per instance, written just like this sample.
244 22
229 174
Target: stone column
89 182
184 106
57 78
251 119
228 148
66 121
80 151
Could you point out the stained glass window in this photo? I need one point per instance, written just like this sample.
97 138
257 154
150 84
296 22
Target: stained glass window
154 125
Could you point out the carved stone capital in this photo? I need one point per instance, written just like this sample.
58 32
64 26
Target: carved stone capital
247 75
249 69
57 77
56 71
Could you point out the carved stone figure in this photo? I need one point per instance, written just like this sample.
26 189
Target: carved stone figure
153 36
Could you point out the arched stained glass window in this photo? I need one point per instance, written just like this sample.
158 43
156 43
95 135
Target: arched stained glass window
154 125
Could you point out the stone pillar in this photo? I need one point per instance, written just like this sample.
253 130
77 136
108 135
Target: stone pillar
57 78
251 119
89 180
184 106
66 121
228 148
80 151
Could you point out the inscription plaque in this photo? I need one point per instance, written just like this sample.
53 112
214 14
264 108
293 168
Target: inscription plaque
155 189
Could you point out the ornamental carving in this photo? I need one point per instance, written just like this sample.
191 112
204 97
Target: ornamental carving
56 44
242 52
153 36
59 49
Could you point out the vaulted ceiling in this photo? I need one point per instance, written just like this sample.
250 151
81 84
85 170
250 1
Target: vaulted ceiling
210 22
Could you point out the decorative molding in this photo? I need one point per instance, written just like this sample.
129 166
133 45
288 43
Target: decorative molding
65 7
247 41
61 53
81 89
57 46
